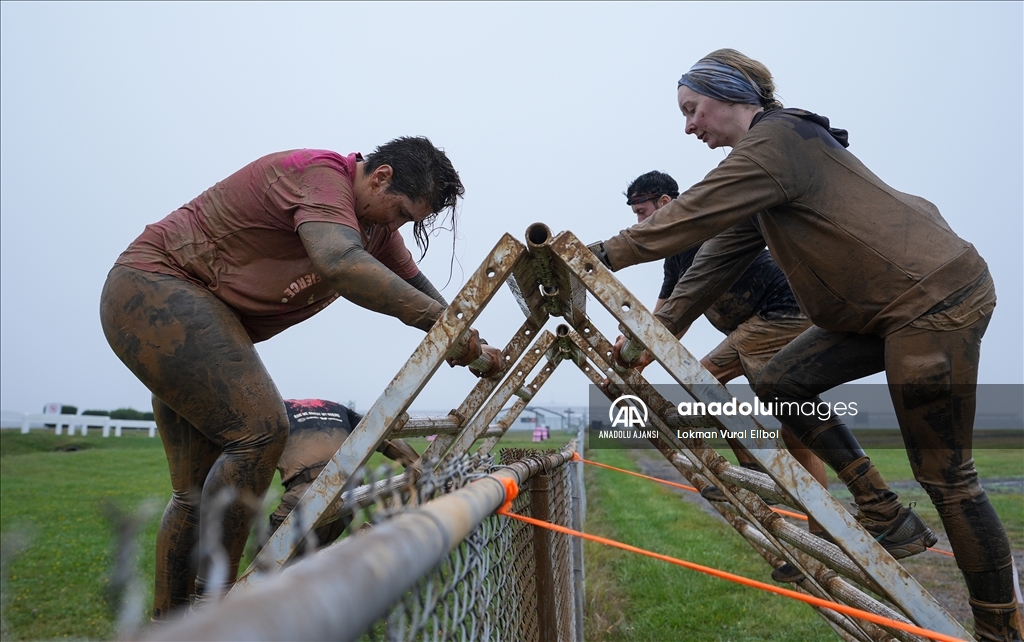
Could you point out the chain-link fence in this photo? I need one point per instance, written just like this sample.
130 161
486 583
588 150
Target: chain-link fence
428 561
506 581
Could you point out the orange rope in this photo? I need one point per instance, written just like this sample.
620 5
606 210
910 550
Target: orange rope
841 608
629 472
780 511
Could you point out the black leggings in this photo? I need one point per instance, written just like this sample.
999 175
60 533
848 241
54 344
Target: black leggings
932 379
221 419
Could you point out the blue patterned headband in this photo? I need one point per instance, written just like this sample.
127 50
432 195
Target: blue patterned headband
721 82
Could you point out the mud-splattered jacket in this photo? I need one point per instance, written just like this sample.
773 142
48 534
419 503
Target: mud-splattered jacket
761 289
859 255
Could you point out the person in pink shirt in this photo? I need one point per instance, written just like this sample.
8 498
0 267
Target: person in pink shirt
264 249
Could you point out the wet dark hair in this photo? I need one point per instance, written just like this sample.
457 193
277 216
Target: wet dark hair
421 172
651 186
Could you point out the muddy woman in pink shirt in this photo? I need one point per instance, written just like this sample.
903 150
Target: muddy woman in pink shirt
260 251
886 283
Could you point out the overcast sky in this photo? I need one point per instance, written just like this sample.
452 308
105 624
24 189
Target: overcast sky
113 115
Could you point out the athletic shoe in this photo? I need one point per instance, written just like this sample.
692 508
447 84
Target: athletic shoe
712 494
787 573
903 535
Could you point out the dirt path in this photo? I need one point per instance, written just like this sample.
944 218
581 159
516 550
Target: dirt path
937 573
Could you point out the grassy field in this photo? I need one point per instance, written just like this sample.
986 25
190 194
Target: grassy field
57 543
638 599
56 537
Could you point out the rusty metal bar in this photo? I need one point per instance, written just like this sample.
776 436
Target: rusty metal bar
513 382
564 295
738 515
526 288
484 387
378 422
495 434
538 240
540 499
898 585
426 425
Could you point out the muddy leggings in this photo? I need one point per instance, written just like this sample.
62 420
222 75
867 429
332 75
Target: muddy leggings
932 379
220 417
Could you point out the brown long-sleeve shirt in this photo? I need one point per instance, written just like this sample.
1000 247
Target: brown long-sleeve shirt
859 255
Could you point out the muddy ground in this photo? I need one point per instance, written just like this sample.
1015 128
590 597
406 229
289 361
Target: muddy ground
937 573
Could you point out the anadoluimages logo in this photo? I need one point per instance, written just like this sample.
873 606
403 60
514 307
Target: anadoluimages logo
624 414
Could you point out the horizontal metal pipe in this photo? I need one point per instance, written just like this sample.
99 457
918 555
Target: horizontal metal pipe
339 592
538 242
427 425
751 480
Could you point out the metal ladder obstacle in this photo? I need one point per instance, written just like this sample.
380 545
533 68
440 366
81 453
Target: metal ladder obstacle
550 276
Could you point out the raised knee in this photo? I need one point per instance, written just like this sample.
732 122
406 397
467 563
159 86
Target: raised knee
765 387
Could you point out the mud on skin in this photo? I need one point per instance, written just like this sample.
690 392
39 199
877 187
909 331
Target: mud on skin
220 416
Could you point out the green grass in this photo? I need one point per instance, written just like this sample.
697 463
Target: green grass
630 597
55 584
53 500
53 491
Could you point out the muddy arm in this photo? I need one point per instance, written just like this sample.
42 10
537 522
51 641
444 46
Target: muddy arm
423 284
337 253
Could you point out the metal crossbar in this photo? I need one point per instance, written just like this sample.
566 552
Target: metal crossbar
550 276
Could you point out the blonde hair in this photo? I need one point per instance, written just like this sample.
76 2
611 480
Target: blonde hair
752 70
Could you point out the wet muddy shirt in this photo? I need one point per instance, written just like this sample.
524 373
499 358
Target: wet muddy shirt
859 255
761 289
239 238
317 429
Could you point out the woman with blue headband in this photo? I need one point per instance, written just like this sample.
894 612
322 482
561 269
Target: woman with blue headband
886 282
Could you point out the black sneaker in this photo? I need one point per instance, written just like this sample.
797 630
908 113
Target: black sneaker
787 573
712 494
902 536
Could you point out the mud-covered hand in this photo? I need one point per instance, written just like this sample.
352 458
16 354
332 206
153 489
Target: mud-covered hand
399 451
495 358
467 350
642 361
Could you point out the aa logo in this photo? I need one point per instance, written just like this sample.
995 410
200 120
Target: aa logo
626 414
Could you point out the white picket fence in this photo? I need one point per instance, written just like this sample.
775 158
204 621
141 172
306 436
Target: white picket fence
74 423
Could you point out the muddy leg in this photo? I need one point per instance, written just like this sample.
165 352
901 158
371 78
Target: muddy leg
190 455
192 352
933 383
814 362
